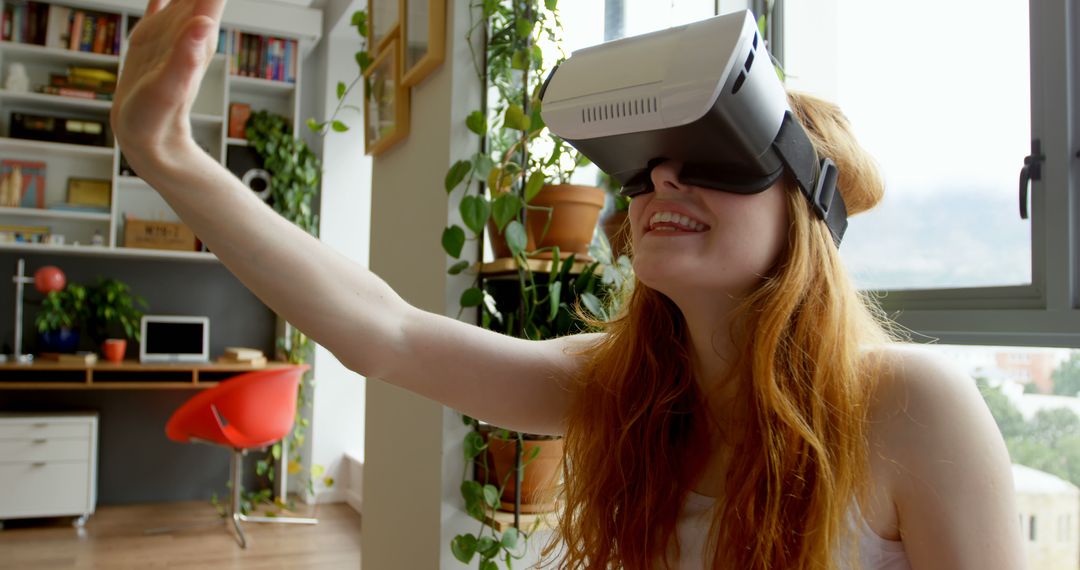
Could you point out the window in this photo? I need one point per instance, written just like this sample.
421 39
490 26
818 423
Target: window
950 112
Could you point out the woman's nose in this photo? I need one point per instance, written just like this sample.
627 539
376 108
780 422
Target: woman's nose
665 177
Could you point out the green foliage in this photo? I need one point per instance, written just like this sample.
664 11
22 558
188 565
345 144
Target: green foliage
112 306
64 309
1067 376
363 62
294 169
1049 442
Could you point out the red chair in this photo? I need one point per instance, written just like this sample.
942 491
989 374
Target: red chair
249 411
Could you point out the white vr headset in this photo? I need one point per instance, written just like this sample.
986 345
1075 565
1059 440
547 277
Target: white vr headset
706 94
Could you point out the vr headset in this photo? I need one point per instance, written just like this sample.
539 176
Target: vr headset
706 94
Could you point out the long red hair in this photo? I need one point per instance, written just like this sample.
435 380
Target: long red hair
805 337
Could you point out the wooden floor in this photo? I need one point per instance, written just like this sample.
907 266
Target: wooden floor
114 538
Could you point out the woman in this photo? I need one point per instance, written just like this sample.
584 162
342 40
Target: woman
746 410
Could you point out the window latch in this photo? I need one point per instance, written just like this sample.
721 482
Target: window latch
1032 170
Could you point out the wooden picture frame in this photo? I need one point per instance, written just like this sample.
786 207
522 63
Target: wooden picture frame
386 101
384 21
423 38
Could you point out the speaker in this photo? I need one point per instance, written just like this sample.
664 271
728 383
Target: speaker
246 164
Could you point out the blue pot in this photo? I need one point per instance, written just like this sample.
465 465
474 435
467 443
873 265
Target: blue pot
63 341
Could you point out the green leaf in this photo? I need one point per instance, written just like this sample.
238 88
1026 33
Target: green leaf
359 21
339 127
534 185
491 495
477 122
341 89
275 451
593 304
489 565
472 297
315 126
487 547
474 445
505 208
456 174
363 59
524 27
516 238
474 212
550 4
482 165
473 494
515 118
520 60
453 239
510 538
555 294
458 267
761 22
464 547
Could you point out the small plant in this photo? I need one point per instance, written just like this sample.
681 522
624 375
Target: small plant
64 309
112 306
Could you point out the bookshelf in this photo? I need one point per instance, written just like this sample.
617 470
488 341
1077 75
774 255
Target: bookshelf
258 64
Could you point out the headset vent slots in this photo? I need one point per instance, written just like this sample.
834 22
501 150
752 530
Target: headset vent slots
620 110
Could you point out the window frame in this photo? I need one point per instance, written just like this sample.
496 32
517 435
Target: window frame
1046 312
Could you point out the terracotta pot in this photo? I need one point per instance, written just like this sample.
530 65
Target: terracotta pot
575 212
541 476
617 230
113 349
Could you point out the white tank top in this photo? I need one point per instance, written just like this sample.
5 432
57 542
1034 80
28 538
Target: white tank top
875 553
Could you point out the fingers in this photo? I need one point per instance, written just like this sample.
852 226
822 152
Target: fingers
155 6
209 8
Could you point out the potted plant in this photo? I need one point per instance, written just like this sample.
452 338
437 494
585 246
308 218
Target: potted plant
61 316
114 317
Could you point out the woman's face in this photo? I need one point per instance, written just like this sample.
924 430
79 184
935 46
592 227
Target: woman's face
693 238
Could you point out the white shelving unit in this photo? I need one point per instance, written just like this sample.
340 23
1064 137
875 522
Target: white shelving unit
130 195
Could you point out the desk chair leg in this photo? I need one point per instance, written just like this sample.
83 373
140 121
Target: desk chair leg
235 515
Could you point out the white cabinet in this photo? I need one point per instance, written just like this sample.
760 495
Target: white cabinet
48 465
223 85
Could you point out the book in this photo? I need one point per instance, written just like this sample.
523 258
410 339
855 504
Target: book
242 353
239 113
58 31
76 358
254 363
22 184
75 92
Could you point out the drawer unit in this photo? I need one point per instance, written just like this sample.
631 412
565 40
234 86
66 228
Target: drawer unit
51 449
48 465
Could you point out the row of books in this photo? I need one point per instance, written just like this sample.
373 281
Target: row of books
61 27
82 82
263 57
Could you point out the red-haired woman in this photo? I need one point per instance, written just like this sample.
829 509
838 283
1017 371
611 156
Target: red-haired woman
746 410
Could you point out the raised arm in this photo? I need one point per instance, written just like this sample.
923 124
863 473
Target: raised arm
338 303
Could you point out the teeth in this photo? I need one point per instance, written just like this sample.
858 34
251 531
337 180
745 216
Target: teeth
675 218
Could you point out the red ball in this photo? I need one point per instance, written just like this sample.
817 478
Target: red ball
49 278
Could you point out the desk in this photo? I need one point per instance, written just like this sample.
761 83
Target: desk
128 375
137 462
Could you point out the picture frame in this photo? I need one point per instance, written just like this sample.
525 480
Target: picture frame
22 183
89 192
423 38
386 101
384 18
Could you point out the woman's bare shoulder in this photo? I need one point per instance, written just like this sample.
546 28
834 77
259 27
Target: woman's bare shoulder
947 466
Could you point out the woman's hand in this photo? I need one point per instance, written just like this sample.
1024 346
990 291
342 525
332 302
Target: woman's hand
168 54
